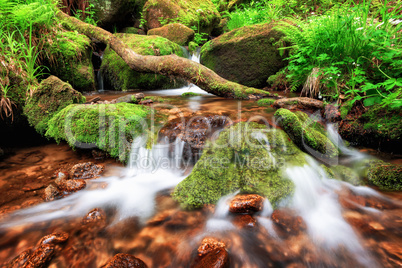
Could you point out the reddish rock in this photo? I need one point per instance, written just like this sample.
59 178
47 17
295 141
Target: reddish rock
349 200
247 203
51 193
54 239
146 102
216 258
244 221
184 219
86 170
40 257
20 260
393 251
208 244
288 222
95 215
75 185
122 260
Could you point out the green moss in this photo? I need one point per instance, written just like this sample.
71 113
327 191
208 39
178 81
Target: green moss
245 55
345 108
122 77
175 32
386 176
346 174
200 13
69 58
384 121
50 97
192 47
157 99
246 157
190 94
265 102
110 127
305 133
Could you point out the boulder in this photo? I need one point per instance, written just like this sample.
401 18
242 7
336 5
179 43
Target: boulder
69 59
175 32
109 127
248 55
386 176
87 170
306 133
124 260
199 13
246 157
50 97
248 203
121 77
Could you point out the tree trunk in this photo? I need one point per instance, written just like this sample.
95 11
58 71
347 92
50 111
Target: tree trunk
171 65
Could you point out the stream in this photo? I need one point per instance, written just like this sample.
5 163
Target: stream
326 223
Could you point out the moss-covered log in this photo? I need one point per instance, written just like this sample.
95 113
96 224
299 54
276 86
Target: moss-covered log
170 65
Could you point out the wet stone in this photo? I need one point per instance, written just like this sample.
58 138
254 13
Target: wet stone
217 258
86 170
40 257
54 239
98 154
146 102
244 221
20 260
125 260
208 244
74 185
51 193
247 203
94 216
288 222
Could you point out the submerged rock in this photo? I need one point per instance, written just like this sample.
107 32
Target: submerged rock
175 32
87 170
200 13
386 176
246 157
248 203
216 258
121 77
20 260
109 127
308 134
288 222
346 174
50 97
248 55
125 260
244 221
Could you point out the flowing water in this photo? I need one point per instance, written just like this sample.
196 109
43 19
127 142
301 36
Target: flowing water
328 223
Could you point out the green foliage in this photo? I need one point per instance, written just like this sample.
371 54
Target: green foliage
110 127
88 15
356 54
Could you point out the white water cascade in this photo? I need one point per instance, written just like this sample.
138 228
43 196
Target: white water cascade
132 193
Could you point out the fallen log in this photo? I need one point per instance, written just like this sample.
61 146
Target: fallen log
171 65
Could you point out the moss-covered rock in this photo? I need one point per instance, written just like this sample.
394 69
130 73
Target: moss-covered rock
248 55
192 47
120 76
375 126
265 102
306 133
69 58
346 174
50 97
386 176
175 32
190 94
109 127
200 13
246 157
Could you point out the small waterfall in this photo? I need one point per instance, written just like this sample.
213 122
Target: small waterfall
132 193
99 79
220 221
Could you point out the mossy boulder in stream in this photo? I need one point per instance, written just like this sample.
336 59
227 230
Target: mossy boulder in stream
50 97
248 55
121 77
68 57
386 176
200 13
109 127
247 157
175 32
306 133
